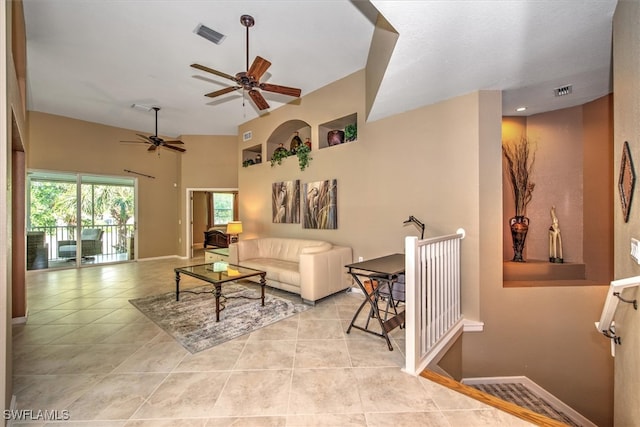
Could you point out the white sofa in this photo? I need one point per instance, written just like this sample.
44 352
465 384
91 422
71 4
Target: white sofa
312 268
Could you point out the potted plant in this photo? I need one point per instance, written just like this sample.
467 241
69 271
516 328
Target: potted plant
279 154
303 156
350 132
520 159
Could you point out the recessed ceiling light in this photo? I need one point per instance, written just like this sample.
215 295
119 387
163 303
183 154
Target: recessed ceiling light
519 109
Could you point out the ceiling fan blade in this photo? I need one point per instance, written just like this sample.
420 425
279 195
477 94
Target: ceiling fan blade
137 142
174 142
146 138
212 71
222 91
258 68
171 147
290 91
258 99
152 148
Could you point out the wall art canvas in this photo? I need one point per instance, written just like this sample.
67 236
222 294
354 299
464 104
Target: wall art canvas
319 201
285 200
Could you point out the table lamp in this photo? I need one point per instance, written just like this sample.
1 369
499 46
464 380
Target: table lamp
233 229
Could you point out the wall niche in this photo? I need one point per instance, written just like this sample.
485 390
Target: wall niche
571 172
338 131
284 134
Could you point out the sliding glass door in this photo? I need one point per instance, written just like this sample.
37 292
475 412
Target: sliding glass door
79 219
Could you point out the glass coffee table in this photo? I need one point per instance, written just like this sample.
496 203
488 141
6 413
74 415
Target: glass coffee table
217 273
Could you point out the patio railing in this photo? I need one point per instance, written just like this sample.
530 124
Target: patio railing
112 242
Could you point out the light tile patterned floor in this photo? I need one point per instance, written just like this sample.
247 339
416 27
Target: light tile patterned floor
86 350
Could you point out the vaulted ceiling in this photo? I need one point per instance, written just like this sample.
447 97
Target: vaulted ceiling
92 60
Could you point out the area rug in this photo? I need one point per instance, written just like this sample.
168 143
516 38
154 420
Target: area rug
192 320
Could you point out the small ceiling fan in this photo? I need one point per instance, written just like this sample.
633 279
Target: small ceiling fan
249 80
156 141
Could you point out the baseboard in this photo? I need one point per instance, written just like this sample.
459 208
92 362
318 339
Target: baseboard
20 320
161 257
472 326
536 389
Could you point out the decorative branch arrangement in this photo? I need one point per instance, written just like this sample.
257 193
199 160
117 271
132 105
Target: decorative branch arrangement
520 160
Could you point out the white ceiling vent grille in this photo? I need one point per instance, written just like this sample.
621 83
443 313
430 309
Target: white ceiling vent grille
209 34
564 90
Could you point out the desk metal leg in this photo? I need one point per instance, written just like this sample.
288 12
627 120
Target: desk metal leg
372 299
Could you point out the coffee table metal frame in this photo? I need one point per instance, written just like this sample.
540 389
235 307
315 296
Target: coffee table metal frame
214 274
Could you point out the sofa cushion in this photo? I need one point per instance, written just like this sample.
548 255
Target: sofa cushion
277 269
289 249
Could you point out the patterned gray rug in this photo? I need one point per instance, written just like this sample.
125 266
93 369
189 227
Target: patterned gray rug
192 320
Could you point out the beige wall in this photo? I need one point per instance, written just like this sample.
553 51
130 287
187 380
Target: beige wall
93 148
442 164
13 138
63 144
626 86
390 173
211 162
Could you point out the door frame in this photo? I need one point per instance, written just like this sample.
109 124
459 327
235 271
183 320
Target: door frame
188 226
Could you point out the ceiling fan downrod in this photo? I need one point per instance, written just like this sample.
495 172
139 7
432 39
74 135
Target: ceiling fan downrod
156 110
247 21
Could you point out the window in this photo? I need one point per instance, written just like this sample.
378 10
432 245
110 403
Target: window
223 208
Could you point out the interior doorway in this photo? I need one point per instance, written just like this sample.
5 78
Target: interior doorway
208 208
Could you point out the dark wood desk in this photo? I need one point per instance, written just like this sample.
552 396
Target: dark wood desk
384 270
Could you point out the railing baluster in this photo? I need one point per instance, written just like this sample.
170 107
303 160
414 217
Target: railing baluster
435 301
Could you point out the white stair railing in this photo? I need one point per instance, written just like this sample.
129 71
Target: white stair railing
606 325
432 308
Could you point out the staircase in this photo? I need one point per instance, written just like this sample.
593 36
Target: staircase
517 396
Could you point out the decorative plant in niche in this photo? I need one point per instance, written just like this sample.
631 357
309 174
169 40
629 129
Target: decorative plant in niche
304 157
350 132
279 154
520 158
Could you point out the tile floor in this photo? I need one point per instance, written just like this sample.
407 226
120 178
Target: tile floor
88 354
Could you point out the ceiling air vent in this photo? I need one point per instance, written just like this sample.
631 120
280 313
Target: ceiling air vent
209 34
564 90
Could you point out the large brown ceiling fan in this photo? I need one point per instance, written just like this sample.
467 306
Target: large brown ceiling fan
249 80
156 141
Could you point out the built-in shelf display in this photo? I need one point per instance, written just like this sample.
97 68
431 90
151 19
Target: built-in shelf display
338 131
282 136
252 155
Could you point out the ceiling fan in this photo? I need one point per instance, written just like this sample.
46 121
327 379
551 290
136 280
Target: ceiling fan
249 80
156 141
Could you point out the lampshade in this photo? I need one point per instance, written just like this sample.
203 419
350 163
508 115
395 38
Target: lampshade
234 227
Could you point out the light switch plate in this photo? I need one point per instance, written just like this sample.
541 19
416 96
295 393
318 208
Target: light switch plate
635 250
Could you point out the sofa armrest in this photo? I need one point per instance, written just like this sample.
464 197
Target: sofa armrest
233 254
324 273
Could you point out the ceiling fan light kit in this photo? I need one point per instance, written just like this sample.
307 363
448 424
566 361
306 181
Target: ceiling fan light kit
249 80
